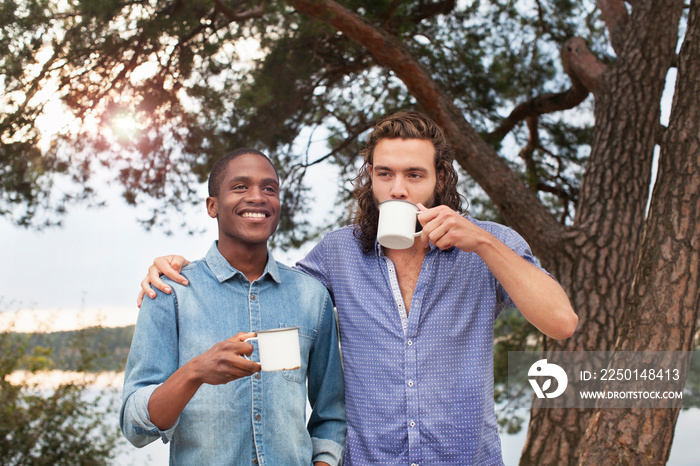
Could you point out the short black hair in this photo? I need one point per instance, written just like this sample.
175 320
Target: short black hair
218 171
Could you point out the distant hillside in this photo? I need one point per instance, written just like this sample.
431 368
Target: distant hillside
106 348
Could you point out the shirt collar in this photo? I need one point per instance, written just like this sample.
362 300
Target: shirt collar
223 270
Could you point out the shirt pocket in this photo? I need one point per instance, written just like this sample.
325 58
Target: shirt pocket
306 340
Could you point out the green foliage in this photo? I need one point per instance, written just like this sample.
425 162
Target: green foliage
62 425
512 332
90 350
691 390
159 90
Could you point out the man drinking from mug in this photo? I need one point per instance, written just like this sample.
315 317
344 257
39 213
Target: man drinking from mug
187 380
416 324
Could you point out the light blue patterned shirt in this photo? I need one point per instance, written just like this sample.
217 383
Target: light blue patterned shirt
253 420
418 387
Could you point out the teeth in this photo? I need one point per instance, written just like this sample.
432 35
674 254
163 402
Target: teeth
254 215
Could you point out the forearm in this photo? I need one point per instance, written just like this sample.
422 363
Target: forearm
169 400
538 296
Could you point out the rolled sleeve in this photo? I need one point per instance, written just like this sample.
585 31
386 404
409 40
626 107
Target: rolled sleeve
152 359
515 242
327 425
327 451
136 422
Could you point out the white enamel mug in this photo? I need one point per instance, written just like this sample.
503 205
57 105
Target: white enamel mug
278 348
397 224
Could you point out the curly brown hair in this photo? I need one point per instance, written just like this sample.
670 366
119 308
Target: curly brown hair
402 125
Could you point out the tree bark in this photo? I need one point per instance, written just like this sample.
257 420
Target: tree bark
596 266
615 16
664 306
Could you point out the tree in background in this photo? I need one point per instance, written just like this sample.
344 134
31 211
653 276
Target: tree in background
63 425
656 316
159 89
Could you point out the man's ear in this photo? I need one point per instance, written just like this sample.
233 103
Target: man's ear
212 207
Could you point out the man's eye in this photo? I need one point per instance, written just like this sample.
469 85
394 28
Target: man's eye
238 187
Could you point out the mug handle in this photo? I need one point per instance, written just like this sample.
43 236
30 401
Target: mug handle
246 341
417 234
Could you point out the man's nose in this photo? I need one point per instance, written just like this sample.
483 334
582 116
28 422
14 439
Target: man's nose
254 194
398 188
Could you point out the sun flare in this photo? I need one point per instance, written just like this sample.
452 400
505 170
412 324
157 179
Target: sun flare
124 126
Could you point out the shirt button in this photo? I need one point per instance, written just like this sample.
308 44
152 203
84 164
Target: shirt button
257 417
255 461
257 375
410 343
412 424
252 297
414 464
410 383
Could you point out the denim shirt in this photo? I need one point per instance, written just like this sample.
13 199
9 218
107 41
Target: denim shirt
418 386
252 420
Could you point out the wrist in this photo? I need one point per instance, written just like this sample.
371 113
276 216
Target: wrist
484 243
193 373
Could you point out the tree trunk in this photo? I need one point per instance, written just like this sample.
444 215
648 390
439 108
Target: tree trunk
664 305
596 265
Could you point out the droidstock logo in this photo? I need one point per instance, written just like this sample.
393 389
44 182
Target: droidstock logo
543 369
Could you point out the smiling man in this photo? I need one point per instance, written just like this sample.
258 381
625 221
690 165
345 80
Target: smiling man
416 325
186 379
